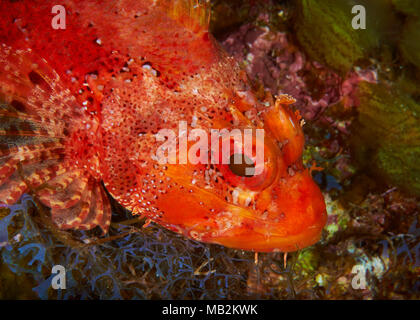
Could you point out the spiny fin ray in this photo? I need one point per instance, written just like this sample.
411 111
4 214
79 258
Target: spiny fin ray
192 14
39 120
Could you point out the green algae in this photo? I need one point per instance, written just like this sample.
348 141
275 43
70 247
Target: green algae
408 7
168 266
338 218
308 261
324 30
410 41
387 135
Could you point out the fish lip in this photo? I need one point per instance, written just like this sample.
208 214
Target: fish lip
262 236
259 242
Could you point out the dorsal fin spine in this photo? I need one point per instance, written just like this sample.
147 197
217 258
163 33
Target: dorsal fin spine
192 14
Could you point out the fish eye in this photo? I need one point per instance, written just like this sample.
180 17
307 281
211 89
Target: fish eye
245 171
241 165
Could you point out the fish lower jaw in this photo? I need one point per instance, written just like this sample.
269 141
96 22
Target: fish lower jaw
259 242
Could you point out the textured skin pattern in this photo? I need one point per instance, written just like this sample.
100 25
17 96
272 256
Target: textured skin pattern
81 106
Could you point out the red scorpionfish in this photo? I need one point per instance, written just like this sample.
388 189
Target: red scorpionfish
81 104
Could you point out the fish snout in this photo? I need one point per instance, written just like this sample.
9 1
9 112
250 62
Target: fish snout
293 218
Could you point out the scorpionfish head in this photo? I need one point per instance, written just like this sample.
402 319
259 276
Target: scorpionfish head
211 161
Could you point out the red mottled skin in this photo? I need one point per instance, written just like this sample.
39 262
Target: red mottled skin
102 88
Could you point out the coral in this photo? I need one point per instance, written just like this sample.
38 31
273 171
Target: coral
270 57
338 218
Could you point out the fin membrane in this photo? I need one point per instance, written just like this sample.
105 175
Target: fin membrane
37 116
192 14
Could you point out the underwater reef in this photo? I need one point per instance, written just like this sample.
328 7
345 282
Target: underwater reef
358 91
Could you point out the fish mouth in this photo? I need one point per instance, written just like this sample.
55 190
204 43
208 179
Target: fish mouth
292 218
293 221
261 241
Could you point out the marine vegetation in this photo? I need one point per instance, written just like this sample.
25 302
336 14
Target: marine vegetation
351 229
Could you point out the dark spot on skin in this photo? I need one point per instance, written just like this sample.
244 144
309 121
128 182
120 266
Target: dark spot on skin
35 78
19 106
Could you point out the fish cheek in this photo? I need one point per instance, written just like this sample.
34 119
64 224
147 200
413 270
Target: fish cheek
179 209
189 211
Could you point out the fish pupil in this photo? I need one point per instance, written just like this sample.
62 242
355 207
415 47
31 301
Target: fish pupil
239 168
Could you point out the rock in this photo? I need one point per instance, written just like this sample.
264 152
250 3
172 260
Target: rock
230 14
